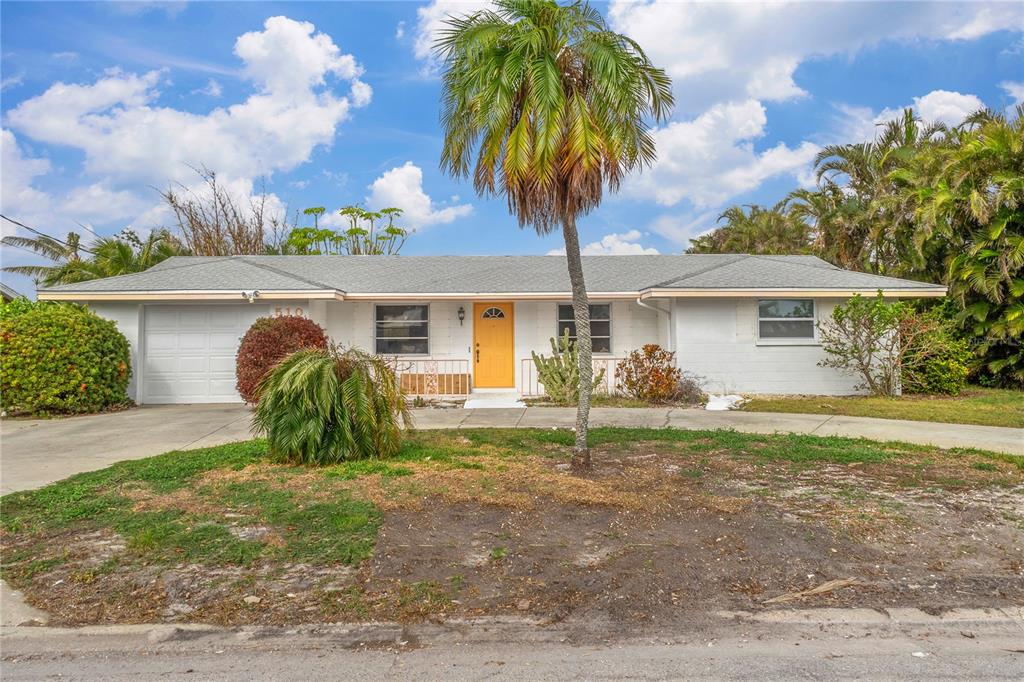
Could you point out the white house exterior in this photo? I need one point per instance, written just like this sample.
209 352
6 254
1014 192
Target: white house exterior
455 324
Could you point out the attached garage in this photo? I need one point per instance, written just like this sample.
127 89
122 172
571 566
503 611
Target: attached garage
189 352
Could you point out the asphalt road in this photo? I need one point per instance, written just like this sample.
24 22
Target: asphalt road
781 652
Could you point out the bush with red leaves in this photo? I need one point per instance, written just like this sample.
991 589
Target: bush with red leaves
649 374
268 341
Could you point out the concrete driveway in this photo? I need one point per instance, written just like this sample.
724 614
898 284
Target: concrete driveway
39 451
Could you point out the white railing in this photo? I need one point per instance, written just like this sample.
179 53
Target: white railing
530 385
432 377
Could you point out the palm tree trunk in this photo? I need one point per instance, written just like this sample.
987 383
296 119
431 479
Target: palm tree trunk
581 311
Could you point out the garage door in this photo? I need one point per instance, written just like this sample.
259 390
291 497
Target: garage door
190 351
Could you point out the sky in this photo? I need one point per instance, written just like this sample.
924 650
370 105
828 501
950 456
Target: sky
336 103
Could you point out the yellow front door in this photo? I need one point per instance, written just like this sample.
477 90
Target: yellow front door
493 345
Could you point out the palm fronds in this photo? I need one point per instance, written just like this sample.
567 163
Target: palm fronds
327 406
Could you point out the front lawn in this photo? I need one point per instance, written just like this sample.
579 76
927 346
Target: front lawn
671 525
976 405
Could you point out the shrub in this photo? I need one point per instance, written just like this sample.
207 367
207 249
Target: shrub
60 358
324 406
650 374
560 374
268 341
892 348
936 360
689 391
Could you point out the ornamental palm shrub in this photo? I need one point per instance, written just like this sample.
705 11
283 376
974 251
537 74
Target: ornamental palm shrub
268 341
60 358
324 406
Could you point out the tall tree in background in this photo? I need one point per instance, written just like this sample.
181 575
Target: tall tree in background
755 229
213 222
967 199
73 261
546 106
364 235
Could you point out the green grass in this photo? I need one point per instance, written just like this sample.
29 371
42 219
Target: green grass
976 405
206 507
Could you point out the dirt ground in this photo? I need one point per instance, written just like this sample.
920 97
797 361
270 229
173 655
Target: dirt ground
649 539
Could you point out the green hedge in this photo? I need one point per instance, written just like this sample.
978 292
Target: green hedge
60 358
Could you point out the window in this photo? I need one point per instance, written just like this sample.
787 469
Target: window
785 318
401 330
600 325
493 313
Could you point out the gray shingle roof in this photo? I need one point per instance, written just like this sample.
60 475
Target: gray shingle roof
489 274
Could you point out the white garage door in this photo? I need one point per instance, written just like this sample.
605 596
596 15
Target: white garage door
190 351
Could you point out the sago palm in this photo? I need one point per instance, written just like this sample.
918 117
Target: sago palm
546 106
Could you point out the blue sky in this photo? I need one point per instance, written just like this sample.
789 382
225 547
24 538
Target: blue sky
337 103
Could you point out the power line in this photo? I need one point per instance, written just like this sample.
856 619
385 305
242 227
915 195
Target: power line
43 234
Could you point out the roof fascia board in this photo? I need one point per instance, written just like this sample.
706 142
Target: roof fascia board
214 295
930 292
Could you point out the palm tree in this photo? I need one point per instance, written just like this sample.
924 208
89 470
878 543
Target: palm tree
756 229
546 107
859 194
106 257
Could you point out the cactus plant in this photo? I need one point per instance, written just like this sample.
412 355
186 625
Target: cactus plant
560 373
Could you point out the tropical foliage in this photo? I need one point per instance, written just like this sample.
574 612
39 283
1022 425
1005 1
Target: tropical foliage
363 236
559 373
891 348
268 341
754 229
324 406
925 202
60 358
544 105
72 261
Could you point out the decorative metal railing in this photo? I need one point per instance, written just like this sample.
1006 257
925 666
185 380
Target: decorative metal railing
530 385
432 377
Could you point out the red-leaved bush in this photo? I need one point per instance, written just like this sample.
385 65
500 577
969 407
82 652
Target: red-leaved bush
268 341
649 374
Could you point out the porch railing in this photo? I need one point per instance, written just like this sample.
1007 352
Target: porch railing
432 377
531 386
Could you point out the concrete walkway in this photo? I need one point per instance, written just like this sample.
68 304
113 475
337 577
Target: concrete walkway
36 452
996 438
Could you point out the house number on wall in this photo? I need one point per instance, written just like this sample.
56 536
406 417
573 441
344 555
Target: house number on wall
298 312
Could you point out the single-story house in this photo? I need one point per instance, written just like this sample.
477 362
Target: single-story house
457 324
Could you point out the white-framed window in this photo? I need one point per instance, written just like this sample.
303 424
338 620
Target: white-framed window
402 329
600 325
786 319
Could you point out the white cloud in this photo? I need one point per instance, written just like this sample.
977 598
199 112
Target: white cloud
128 139
614 244
724 51
1014 90
212 89
682 228
66 56
430 21
400 30
938 106
711 159
8 82
19 199
403 187
98 201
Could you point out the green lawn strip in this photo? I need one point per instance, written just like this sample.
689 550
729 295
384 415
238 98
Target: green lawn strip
232 519
977 405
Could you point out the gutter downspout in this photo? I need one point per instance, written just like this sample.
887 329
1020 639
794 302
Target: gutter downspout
667 316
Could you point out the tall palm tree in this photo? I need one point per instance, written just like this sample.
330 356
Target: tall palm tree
106 257
546 106
756 229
